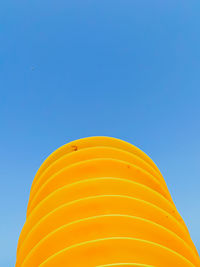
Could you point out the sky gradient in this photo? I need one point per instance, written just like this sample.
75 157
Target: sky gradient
72 69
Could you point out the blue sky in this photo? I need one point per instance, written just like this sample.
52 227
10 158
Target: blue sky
71 69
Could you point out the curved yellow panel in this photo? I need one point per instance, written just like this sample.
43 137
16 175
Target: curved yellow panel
93 169
101 205
92 153
100 227
95 187
99 252
102 202
93 142
125 265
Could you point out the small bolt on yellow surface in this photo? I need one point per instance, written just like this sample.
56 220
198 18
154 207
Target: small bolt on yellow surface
102 202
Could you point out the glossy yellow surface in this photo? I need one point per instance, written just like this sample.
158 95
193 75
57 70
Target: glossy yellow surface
100 201
99 227
93 153
116 249
94 142
124 264
95 168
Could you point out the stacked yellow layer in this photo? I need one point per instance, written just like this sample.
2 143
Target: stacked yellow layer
100 201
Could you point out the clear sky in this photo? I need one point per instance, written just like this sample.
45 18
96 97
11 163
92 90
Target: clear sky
71 69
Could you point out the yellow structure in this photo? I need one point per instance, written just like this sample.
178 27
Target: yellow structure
100 201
